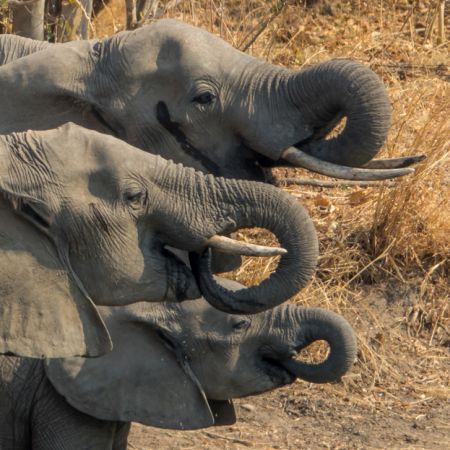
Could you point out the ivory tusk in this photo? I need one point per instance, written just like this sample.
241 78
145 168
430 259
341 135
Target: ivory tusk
394 163
228 245
302 159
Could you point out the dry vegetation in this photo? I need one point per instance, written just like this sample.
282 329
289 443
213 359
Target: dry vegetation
384 250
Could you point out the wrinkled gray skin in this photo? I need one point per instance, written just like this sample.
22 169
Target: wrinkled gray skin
15 47
173 366
85 218
179 91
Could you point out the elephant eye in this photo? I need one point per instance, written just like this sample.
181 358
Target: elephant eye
204 99
241 325
136 200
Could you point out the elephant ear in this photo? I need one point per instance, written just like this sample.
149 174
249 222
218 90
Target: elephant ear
43 313
144 379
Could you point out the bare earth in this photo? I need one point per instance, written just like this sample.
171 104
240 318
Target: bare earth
304 417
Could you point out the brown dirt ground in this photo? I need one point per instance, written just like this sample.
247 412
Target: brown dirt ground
305 417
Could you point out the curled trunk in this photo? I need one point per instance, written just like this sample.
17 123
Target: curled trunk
342 88
319 324
260 205
235 204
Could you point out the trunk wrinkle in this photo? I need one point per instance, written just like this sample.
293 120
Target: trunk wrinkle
342 87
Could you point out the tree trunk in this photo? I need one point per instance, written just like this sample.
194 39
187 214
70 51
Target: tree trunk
140 11
75 20
28 18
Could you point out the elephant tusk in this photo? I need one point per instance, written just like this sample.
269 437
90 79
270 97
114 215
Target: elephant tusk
394 163
302 159
228 245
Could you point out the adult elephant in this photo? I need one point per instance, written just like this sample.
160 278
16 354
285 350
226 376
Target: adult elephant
173 366
176 90
85 218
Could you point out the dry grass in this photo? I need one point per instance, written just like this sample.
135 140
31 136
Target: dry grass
4 18
384 250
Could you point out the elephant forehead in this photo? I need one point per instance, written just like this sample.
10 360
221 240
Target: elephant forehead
86 158
188 34
170 41
199 316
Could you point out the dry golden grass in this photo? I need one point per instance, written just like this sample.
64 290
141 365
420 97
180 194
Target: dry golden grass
4 19
384 260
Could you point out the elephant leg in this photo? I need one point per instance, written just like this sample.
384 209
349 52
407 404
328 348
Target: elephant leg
121 435
56 425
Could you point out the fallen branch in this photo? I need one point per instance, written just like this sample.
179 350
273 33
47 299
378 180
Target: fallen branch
234 440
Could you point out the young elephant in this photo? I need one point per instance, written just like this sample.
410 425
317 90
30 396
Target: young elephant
179 91
85 218
173 366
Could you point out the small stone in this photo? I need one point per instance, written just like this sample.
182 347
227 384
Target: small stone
248 407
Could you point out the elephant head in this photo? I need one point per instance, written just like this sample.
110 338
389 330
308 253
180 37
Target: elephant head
180 365
176 90
86 218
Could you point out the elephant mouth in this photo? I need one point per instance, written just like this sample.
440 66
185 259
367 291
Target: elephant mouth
277 371
181 283
184 269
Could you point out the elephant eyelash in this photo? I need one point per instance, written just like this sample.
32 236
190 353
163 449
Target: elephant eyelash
242 325
137 200
205 98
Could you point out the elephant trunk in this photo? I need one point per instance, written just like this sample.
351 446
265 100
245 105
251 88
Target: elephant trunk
203 206
342 88
319 324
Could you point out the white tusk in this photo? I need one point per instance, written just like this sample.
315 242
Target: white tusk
228 245
394 163
302 159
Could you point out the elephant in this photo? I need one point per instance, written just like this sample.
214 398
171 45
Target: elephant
176 90
86 219
173 365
